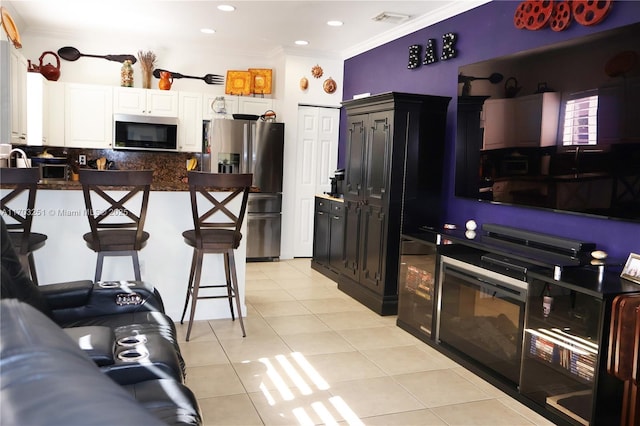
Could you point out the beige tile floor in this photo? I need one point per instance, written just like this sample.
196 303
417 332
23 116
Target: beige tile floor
315 356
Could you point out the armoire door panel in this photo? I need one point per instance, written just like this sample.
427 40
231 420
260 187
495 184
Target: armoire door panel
354 157
352 233
378 157
373 250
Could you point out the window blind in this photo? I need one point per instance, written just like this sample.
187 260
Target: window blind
580 121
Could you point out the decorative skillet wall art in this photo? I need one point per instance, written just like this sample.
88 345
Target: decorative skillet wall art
537 14
430 55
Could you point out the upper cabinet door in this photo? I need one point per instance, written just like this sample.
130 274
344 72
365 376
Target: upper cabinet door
214 106
190 128
161 103
18 95
88 127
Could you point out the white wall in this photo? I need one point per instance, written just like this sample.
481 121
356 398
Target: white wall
296 67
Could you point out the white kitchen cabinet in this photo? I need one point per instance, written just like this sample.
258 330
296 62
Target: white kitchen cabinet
236 105
537 119
527 121
618 120
56 114
45 111
162 103
498 116
190 122
251 105
37 109
88 116
230 105
17 98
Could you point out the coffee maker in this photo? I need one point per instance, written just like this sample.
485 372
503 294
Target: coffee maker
337 182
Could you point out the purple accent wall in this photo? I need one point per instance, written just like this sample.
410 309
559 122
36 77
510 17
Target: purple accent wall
483 33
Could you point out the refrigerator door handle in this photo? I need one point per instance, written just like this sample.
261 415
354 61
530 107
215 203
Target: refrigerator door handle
254 147
245 168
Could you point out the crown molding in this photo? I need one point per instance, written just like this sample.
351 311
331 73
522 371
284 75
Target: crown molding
413 25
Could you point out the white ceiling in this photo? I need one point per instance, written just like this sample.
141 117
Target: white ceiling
260 28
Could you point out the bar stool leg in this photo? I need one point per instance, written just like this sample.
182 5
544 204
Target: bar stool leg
196 287
32 268
227 276
99 266
136 265
189 284
234 282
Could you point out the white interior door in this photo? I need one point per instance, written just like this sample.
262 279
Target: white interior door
317 159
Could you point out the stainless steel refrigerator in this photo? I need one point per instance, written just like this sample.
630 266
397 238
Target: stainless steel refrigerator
243 146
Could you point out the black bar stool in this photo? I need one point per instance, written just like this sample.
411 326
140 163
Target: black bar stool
117 227
216 231
24 241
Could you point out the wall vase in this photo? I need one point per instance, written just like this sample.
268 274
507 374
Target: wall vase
146 78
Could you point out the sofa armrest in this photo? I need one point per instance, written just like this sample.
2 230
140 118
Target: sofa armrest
96 341
112 297
47 380
67 295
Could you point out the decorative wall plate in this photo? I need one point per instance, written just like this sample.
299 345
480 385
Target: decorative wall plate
261 80
238 83
304 83
10 27
316 71
330 85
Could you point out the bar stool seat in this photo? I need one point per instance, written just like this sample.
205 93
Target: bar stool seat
20 214
216 231
115 240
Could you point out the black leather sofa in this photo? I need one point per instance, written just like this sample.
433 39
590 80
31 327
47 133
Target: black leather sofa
47 380
119 327
117 314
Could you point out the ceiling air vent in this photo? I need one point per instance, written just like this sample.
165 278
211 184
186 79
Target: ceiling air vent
391 17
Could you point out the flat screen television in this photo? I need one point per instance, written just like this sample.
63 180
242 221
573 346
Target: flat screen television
557 127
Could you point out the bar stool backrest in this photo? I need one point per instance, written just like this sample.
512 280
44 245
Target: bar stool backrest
218 213
117 214
22 180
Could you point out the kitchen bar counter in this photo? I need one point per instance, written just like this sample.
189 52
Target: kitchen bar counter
164 261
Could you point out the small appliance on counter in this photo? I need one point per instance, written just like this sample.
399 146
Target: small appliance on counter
337 182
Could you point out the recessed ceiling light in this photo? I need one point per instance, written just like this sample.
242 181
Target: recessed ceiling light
207 30
335 23
301 42
226 8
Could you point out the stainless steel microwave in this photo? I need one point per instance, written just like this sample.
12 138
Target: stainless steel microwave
144 132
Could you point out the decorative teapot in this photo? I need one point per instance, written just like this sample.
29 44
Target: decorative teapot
50 72
166 80
511 87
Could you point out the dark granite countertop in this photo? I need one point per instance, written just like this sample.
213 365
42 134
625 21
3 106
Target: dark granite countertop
157 185
169 168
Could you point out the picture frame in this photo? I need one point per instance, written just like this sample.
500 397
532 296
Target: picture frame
631 270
